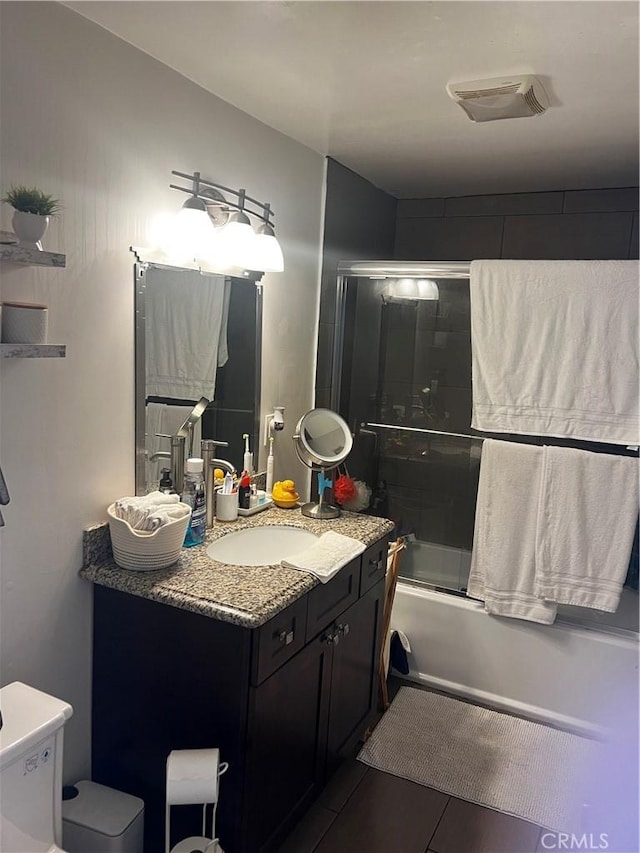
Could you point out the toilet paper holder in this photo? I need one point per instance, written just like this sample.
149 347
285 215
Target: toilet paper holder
193 777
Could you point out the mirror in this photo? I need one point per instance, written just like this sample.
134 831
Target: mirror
197 336
322 441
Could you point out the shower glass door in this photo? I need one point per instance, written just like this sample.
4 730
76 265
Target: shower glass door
406 393
404 375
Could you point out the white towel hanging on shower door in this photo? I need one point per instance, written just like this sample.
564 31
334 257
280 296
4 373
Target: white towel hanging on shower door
555 349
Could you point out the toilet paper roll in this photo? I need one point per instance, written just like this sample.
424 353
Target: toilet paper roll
192 776
196 844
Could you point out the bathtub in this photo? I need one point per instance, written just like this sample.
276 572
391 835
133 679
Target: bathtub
565 675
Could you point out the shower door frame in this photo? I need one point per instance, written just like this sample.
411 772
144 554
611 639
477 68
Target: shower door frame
378 270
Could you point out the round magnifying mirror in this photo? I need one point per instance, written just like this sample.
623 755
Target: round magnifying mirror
323 442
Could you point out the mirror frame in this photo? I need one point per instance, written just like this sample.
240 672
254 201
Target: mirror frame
311 458
144 262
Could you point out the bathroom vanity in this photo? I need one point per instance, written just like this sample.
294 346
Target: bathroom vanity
277 670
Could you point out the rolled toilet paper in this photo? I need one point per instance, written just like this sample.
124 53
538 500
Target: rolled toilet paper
196 844
192 777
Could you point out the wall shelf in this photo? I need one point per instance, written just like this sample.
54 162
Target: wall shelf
14 253
32 351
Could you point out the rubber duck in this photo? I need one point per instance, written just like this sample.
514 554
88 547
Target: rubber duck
284 493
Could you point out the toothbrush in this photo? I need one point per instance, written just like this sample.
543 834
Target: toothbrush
269 483
248 456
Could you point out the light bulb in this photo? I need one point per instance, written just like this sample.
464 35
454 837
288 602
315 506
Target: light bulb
428 289
267 254
192 231
234 241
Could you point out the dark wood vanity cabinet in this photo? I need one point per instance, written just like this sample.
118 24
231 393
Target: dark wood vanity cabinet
284 702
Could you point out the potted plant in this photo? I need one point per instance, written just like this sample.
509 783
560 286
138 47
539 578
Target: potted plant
32 209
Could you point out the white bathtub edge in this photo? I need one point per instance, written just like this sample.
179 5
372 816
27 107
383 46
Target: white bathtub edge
561 675
521 709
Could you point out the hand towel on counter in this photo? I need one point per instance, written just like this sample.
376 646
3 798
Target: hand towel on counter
327 556
185 335
586 524
503 567
555 348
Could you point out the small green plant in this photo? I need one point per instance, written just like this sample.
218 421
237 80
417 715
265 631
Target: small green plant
32 200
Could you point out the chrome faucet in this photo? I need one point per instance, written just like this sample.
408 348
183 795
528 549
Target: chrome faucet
182 440
207 450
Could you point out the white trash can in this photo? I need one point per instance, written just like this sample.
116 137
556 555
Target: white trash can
101 820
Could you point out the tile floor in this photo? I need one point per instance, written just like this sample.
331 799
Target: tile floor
363 810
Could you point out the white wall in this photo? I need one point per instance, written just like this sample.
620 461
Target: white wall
101 125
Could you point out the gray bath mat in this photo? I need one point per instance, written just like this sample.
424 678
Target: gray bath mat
505 763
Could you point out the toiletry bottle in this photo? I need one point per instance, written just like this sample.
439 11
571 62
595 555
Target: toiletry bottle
166 483
244 493
193 494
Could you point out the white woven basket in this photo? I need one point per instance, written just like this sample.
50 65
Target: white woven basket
140 551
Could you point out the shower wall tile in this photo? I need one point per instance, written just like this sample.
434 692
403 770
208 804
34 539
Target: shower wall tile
359 223
450 312
398 362
454 404
325 355
567 236
634 249
452 239
323 398
445 356
504 205
593 201
411 208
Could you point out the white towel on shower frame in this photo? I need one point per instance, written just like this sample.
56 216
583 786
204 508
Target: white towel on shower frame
587 518
503 560
555 348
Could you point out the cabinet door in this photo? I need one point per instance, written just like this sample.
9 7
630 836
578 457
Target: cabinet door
354 676
287 742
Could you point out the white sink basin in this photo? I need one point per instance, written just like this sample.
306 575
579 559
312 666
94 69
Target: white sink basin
260 546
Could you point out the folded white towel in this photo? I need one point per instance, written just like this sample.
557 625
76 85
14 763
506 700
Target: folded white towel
555 348
162 515
327 556
503 564
147 512
587 519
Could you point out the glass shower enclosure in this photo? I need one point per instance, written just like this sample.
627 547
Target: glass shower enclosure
401 378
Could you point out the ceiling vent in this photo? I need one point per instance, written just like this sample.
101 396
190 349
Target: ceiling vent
500 97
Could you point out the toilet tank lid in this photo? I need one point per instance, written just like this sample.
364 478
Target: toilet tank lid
28 716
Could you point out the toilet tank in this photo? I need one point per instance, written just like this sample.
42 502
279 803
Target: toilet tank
31 741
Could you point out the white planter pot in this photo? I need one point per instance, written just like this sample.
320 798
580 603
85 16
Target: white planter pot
29 228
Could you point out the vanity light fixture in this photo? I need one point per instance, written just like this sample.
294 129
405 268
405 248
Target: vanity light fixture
193 227
231 243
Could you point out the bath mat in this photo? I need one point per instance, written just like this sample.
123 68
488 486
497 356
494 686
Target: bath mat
512 765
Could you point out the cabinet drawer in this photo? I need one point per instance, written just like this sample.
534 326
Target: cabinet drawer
374 565
278 640
330 599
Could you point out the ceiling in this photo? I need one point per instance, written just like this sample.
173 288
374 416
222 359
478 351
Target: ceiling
364 82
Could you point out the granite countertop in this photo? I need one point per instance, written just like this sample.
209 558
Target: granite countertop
245 595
